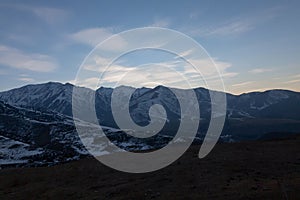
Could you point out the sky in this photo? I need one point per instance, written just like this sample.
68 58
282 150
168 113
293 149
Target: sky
254 44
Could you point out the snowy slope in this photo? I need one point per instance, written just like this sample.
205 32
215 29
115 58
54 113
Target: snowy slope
35 138
40 116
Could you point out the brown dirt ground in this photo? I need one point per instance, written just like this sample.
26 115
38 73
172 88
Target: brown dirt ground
248 170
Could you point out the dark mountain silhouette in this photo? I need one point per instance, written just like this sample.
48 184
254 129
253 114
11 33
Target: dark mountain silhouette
37 120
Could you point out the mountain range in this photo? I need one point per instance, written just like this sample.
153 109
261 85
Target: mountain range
37 127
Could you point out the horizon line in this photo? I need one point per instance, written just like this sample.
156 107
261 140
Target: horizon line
227 92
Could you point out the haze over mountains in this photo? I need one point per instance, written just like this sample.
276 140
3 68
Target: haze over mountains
37 120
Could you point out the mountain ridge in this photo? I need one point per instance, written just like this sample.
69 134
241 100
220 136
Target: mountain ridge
55 92
37 120
102 87
56 97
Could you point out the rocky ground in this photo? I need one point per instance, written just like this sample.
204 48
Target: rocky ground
248 170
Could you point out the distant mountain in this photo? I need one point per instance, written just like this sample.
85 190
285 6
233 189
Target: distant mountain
37 128
57 97
277 105
51 96
272 104
36 124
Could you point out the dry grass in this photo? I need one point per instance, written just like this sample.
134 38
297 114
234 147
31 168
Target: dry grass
252 170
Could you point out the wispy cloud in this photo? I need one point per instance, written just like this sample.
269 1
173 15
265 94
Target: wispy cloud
93 36
234 26
184 54
296 76
292 81
26 79
229 74
260 70
194 15
16 58
91 82
242 84
207 67
171 73
164 23
174 71
48 14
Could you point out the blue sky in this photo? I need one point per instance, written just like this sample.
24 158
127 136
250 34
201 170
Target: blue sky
255 43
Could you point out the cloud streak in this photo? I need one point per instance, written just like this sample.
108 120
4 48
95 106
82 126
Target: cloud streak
26 79
49 15
292 81
260 70
164 23
16 58
242 84
173 73
235 26
91 36
94 36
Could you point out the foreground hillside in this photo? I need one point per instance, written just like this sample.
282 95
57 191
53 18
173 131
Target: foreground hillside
248 170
